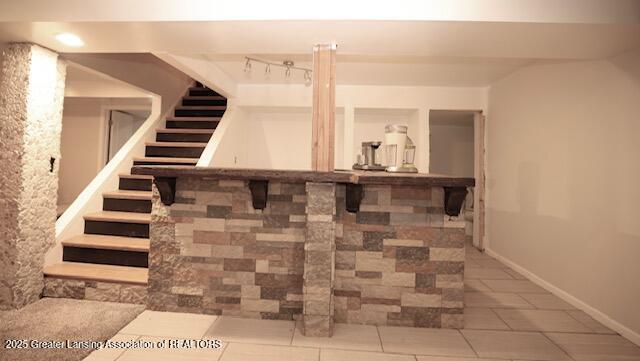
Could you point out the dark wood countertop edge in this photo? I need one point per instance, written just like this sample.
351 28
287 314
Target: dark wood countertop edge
354 177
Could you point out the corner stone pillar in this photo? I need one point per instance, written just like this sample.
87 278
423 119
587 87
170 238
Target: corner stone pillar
31 98
319 260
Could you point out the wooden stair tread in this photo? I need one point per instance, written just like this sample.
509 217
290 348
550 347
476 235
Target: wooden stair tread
176 144
185 131
201 107
98 272
122 217
136 176
108 242
194 119
204 97
167 160
127 194
200 88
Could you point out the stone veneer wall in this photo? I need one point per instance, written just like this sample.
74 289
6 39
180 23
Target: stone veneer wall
319 260
211 252
94 291
31 98
396 263
393 263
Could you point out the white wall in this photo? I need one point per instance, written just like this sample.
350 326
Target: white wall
562 178
83 141
228 146
269 138
452 148
81 146
356 104
279 139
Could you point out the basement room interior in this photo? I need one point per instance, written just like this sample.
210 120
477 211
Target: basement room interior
246 181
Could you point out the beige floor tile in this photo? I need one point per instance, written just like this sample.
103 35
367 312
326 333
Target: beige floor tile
171 354
345 337
514 274
495 300
344 355
486 273
489 263
541 320
245 330
252 352
469 262
514 345
546 301
169 324
588 321
471 285
515 286
438 358
483 319
589 347
424 341
110 354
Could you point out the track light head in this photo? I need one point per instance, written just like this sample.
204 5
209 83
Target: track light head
247 66
288 64
307 78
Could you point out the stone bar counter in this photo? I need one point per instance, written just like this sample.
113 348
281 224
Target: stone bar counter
321 247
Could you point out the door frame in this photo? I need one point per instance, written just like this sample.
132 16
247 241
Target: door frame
104 126
479 170
479 132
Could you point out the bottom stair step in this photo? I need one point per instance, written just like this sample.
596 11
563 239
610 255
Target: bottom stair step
98 272
105 256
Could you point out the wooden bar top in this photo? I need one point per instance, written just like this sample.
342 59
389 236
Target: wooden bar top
337 176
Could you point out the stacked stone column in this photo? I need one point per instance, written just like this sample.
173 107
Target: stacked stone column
319 260
31 98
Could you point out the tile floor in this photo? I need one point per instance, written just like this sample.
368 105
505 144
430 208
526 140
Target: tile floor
507 317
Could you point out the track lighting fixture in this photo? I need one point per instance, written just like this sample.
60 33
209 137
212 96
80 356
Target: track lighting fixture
289 66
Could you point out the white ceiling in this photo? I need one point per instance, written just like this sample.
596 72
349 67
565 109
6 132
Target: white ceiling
389 70
360 38
84 82
538 11
485 47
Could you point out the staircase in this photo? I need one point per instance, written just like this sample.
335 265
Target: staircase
109 262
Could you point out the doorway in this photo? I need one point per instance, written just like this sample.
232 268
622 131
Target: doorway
456 148
121 124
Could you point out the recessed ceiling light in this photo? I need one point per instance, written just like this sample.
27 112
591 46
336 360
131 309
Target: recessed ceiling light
70 40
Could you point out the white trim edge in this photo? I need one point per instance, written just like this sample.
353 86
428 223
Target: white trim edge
206 159
569 298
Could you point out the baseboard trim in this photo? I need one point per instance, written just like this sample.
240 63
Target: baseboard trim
572 300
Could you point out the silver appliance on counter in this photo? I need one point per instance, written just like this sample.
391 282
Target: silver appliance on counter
400 149
367 160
